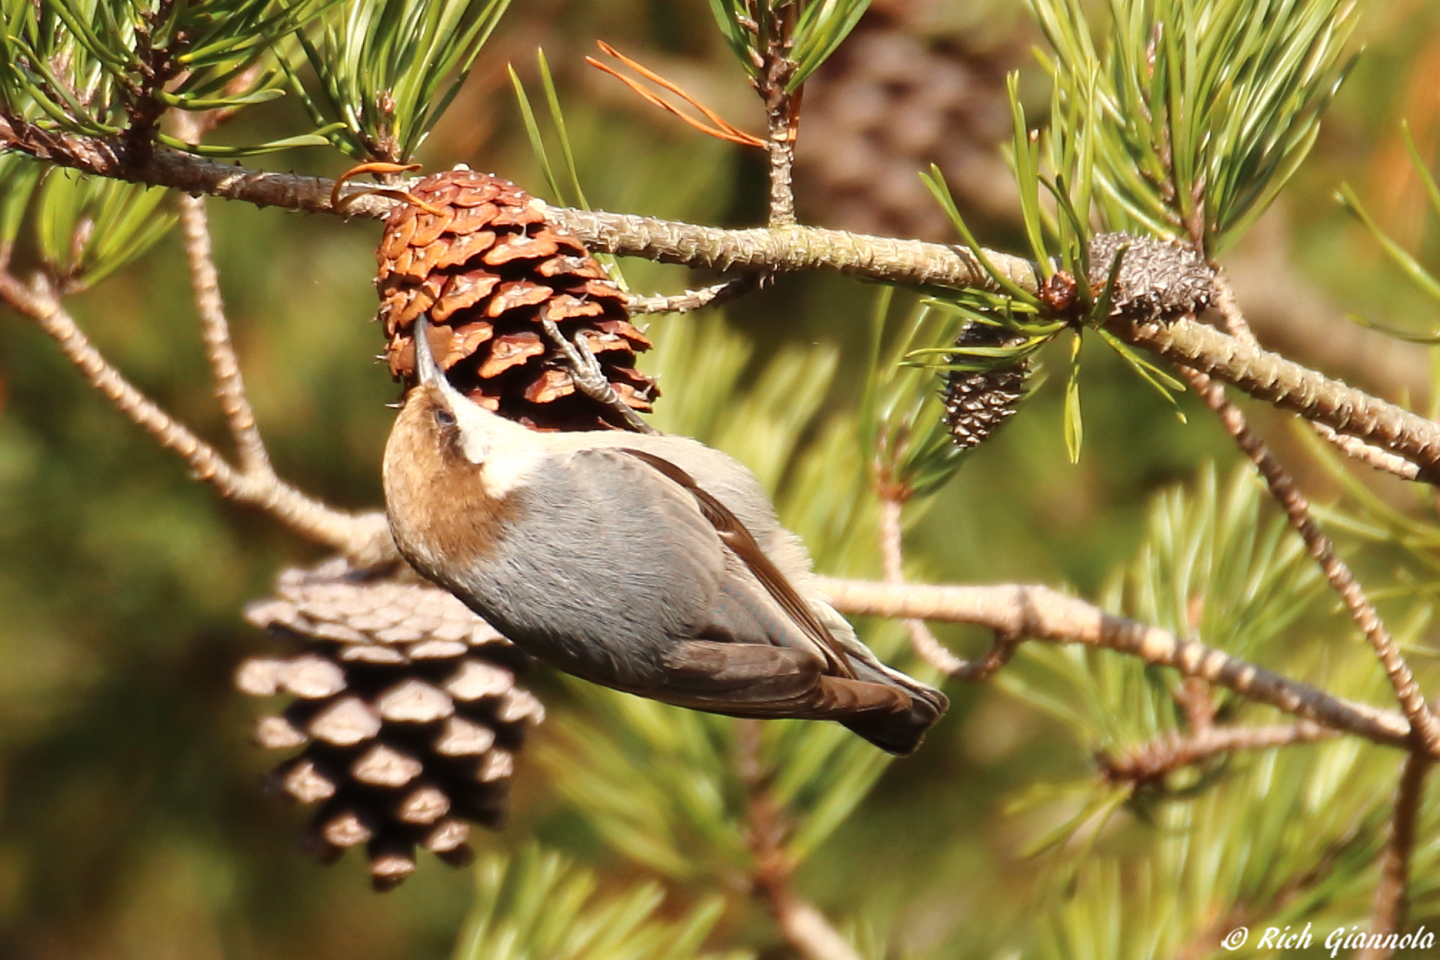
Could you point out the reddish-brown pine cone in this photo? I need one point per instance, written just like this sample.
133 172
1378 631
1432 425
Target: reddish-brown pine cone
488 268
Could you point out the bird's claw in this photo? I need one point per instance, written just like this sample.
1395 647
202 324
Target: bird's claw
590 378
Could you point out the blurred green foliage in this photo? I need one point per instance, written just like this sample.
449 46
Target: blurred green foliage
540 906
131 823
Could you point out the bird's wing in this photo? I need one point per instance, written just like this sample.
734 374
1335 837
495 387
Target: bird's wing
764 682
723 629
739 540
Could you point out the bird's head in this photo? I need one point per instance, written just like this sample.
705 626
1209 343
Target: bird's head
438 416
434 473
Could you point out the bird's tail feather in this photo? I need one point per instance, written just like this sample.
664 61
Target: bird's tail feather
901 732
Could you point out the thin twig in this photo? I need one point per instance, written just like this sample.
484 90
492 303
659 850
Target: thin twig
1035 612
1151 761
1297 509
224 366
364 538
215 326
205 282
1228 306
807 930
1391 894
1367 453
1001 651
711 296
924 642
892 558
1198 701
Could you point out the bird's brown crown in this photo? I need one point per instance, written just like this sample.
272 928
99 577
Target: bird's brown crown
440 510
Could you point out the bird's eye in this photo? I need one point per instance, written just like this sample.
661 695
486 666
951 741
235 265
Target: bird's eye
444 417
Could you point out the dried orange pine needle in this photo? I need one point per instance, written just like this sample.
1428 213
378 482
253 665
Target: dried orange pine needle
721 128
338 202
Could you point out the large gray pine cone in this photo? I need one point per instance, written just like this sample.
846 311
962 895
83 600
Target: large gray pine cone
404 708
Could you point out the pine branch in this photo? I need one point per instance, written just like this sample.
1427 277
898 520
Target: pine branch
1266 376
785 249
1290 386
1237 326
1036 612
792 248
1259 373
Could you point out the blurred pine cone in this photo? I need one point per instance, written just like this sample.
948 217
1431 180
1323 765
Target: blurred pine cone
404 706
487 268
890 102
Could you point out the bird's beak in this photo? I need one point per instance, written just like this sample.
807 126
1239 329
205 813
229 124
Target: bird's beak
474 420
426 369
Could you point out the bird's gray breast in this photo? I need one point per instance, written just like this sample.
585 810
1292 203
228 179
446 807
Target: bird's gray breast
600 565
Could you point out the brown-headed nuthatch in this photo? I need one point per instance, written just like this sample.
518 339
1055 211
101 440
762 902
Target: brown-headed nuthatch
651 564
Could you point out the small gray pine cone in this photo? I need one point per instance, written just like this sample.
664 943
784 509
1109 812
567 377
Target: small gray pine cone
1157 279
977 402
405 710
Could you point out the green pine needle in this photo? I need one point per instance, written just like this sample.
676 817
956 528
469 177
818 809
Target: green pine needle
388 69
934 181
1074 423
71 65
1197 111
86 228
816 28
903 413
